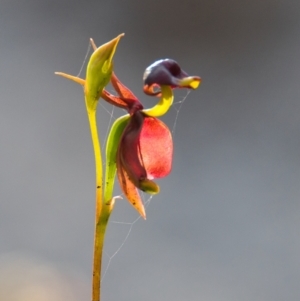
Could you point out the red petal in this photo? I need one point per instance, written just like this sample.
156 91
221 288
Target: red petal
126 99
152 90
156 148
130 190
129 149
114 100
122 90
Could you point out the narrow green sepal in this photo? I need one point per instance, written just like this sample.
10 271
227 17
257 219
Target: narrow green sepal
112 144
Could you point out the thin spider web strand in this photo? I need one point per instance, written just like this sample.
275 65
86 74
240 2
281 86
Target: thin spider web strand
146 204
177 110
84 60
122 223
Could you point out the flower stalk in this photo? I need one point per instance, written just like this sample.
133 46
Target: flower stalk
102 210
98 75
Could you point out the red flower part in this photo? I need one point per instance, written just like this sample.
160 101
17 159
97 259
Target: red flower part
145 148
145 151
126 99
156 146
129 150
167 72
130 190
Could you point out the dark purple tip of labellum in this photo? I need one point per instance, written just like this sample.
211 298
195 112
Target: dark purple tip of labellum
164 72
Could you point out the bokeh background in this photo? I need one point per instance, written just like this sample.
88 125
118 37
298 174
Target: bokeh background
226 225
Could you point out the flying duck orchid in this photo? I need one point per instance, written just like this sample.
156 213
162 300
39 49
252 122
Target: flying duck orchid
140 146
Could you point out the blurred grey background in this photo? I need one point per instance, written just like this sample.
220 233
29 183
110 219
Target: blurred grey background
226 225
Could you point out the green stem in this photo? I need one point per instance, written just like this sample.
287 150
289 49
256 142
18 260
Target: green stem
102 210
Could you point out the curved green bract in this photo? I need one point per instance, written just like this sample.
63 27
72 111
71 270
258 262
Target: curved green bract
164 103
95 85
99 70
111 155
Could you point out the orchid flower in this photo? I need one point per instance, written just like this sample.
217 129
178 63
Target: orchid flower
139 145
